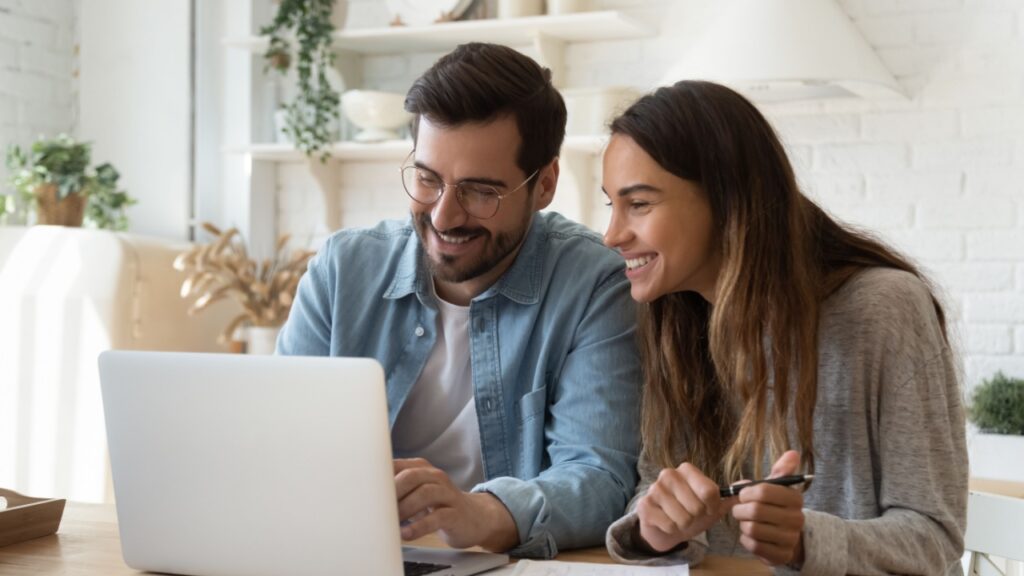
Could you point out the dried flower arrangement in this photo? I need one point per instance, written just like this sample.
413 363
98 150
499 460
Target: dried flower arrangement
223 268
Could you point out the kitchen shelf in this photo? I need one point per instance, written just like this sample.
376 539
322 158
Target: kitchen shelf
388 150
579 27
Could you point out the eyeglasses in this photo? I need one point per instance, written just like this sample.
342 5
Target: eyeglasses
478 199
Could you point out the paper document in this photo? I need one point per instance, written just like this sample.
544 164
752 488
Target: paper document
556 568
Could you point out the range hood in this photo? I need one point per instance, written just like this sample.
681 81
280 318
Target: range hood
777 50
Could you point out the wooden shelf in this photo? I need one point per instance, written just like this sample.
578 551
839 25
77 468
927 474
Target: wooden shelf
340 151
580 27
395 150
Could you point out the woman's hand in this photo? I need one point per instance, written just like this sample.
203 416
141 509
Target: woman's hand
771 517
681 504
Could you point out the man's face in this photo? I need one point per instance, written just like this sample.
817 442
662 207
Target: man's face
466 253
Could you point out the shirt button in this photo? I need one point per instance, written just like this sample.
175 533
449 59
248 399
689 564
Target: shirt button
419 331
488 404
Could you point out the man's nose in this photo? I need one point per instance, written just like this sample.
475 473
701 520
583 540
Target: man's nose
447 213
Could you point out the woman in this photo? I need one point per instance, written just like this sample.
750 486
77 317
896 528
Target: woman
775 342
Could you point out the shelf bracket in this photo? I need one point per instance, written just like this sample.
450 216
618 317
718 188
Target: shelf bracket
326 175
577 187
551 53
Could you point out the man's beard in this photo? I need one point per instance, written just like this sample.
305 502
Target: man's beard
495 249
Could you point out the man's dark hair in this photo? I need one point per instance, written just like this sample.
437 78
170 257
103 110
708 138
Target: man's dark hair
479 82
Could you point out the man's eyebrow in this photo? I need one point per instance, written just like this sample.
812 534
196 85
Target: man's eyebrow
497 183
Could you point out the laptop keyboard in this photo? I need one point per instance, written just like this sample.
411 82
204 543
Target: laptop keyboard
421 568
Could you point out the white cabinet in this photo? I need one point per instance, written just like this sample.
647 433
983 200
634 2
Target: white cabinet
548 36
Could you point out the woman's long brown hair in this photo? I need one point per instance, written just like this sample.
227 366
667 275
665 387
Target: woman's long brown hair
723 379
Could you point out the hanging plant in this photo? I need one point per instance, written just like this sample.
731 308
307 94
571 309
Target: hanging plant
313 113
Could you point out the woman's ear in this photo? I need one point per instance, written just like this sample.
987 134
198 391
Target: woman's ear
547 181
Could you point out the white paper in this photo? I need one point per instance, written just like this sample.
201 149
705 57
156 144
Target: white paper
556 568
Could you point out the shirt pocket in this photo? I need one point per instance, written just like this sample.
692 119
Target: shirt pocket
533 404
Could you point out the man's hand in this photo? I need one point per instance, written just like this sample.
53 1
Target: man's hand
681 504
771 517
429 502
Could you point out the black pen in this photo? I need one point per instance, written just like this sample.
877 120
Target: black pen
727 491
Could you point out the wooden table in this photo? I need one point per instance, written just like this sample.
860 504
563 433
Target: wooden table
88 544
1001 487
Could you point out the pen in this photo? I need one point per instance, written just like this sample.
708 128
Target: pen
727 491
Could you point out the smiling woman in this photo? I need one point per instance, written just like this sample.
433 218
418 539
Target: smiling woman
662 225
775 341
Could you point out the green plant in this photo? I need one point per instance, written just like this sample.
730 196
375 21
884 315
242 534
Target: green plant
315 109
64 163
997 405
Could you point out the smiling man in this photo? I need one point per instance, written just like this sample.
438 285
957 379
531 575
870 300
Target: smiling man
506 334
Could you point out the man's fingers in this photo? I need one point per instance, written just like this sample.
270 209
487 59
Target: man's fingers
413 477
406 463
438 519
425 497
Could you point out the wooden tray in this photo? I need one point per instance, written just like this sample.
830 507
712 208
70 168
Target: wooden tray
26 518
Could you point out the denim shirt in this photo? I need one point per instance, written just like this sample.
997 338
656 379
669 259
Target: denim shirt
555 367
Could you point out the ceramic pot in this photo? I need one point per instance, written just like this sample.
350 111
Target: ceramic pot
67 211
261 339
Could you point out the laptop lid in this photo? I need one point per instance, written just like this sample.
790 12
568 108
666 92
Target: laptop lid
230 464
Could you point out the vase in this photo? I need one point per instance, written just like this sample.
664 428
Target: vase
51 209
261 339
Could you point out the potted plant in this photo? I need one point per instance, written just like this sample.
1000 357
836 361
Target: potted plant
54 176
313 113
997 409
223 269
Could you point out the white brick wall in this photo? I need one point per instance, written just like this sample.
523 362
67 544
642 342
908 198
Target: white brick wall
940 175
36 60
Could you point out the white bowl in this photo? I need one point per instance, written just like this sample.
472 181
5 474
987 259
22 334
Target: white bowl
378 114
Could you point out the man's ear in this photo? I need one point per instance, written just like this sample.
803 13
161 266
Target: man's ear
547 181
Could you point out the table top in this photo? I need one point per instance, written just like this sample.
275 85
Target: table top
88 544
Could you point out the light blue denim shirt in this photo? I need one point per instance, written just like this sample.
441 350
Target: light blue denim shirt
555 367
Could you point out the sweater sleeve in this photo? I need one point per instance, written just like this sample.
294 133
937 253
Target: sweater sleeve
623 537
921 452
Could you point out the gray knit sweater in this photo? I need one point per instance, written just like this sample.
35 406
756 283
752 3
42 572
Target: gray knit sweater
890 487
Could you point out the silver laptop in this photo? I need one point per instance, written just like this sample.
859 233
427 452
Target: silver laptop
226 464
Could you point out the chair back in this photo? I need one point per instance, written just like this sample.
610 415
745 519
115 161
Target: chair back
995 530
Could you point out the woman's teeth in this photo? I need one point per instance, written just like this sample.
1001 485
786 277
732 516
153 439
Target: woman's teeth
634 263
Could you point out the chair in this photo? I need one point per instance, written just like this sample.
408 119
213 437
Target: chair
67 294
995 532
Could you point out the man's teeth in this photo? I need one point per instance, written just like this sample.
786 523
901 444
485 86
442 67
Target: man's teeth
454 239
634 263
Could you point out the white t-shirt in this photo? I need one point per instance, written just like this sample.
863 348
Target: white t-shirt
438 420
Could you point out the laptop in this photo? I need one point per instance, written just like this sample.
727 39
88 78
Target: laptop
226 464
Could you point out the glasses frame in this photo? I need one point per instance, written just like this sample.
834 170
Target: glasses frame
458 189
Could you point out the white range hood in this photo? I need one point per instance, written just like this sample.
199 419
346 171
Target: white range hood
775 50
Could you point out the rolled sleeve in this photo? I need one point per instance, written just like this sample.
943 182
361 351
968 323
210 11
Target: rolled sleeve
590 435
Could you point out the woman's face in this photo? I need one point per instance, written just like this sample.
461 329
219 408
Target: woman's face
661 224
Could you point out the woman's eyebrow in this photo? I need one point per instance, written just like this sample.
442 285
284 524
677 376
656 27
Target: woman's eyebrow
633 188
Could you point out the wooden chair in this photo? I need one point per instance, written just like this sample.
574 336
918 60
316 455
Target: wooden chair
995 529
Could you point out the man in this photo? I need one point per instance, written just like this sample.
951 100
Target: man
506 336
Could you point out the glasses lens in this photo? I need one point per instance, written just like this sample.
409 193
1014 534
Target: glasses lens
480 200
421 185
